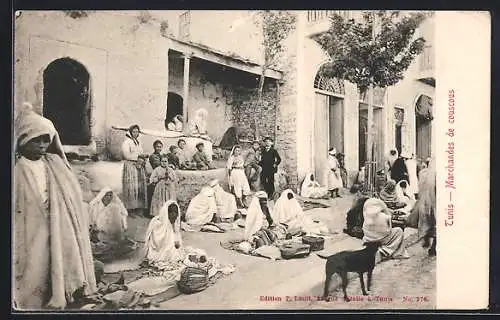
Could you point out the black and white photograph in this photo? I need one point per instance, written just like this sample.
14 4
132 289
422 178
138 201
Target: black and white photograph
233 160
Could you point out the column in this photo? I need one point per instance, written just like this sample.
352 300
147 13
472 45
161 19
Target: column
187 60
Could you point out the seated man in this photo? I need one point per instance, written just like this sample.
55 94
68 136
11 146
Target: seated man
200 159
377 227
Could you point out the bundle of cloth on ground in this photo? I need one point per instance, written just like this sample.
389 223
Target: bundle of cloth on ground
108 226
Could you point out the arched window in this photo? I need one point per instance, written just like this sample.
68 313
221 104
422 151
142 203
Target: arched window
328 84
67 100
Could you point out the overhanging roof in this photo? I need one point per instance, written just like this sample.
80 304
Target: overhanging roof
232 61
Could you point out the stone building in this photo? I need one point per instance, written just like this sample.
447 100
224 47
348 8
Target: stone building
332 112
144 67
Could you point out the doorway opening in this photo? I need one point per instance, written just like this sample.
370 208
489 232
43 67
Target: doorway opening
423 124
328 131
174 107
67 100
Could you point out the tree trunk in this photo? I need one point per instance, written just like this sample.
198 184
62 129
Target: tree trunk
260 93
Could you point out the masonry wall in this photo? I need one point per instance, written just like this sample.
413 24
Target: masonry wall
249 115
126 60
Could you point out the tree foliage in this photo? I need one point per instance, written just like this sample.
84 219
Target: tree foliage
276 26
378 59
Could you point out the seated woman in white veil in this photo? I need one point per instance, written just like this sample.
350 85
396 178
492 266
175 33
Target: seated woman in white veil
288 211
405 195
163 240
108 215
201 209
312 189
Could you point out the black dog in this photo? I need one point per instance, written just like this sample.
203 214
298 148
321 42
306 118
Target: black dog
359 261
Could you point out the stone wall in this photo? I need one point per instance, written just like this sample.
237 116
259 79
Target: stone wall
286 121
248 115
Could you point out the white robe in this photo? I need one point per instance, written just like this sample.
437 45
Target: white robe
312 188
289 212
237 177
161 237
334 179
201 208
411 165
255 217
110 219
405 196
225 202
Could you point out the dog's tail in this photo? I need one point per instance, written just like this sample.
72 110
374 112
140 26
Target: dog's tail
321 256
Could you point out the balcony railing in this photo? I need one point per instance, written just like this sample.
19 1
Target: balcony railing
322 15
427 58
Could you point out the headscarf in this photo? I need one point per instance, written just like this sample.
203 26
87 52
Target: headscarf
29 125
388 193
402 194
286 209
129 134
376 224
96 207
161 236
305 188
230 161
392 158
253 220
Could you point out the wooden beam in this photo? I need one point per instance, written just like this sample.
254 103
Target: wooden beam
222 59
187 60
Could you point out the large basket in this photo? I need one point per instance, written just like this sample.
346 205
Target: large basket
316 243
193 280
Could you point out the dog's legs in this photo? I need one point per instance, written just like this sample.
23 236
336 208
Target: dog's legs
344 286
370 272
362 280
327 285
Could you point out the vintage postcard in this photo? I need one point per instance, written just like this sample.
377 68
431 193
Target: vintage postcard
250 160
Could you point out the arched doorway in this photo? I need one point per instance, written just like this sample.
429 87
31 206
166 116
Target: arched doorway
67 100
174 107
328 121
423 125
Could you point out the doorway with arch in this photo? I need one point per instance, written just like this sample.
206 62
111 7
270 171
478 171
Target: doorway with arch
67 100
328 121
174 107
423 126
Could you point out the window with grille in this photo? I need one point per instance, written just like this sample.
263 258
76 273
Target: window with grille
184 24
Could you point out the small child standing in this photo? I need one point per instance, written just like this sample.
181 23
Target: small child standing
165 181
